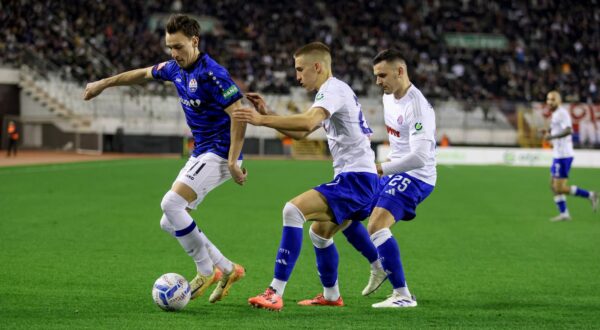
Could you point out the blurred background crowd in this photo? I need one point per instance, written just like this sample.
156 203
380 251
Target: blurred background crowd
527 48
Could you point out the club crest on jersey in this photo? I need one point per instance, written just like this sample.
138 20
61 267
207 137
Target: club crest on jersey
400 120
193 85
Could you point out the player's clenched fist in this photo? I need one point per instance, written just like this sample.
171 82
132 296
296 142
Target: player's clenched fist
92 90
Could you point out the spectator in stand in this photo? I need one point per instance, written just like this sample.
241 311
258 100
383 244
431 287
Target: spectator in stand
552 43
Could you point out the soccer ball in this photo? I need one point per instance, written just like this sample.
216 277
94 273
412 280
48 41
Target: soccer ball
171 292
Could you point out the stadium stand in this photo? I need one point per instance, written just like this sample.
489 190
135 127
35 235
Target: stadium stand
478 61
549 44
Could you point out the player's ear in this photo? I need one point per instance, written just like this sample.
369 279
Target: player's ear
318 67
195 41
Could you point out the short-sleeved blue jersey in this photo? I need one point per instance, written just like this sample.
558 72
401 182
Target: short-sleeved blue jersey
205 90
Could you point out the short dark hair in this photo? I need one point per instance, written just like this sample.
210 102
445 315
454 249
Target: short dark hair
187 25
316 46
388 55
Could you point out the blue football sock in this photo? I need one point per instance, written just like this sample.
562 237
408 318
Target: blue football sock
289 250
358 237
327 265
576 191
561 203
390 259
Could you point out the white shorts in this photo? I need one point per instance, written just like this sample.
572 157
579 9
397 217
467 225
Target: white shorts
204 173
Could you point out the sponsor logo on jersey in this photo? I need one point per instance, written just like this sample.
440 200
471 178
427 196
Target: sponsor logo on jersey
392 131
230 91
319 96
191 103
193 85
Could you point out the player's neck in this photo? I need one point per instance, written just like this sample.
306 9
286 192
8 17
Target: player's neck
402 90
323 78
193 63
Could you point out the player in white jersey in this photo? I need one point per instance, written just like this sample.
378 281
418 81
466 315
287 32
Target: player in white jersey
410 174
562 152
348 197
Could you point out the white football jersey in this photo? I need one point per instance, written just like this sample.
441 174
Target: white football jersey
562 147
409 119
347 129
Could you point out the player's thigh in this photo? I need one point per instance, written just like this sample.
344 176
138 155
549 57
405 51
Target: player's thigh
313 206
199 176
380 218
184 191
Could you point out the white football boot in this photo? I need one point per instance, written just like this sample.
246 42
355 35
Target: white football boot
561 217
397 300
594 199
376 279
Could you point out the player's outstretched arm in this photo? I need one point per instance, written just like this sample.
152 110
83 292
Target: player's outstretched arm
238 131
306 121
132 77
261 106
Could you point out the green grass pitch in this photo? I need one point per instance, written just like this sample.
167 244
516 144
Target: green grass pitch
80 247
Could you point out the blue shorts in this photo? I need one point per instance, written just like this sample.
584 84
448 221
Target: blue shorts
560 167
350 195
400 194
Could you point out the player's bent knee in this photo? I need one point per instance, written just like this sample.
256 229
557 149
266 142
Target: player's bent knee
172 201
165 225
325 230
373 227
319 241
381 236
292 217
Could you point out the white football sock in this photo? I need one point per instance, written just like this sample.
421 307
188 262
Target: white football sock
173 206
214 253
333 293
403 291
278 286
217 257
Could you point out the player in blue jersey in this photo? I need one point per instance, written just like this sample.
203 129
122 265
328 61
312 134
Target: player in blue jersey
208 97
330 205
410 174
562 151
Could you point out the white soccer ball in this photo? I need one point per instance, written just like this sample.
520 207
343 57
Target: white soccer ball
171 292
